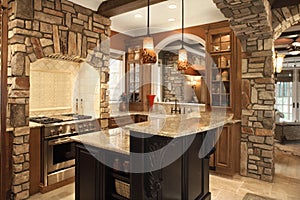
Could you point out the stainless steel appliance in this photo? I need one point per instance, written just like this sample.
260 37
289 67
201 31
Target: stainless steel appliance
58 150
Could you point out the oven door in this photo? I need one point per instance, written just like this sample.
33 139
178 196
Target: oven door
60 154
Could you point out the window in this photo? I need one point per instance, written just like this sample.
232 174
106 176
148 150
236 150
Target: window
116 79
288 94
284 99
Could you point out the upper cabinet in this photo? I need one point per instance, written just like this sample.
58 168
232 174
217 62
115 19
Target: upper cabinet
138 81
224 69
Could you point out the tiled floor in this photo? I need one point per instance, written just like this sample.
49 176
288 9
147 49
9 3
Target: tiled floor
285 186
222 188
64 193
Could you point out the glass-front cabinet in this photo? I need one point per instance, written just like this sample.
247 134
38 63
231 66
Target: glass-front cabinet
134 81
138 77
221 47
224 86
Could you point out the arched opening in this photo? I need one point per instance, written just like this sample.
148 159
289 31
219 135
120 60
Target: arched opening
169 47
287 95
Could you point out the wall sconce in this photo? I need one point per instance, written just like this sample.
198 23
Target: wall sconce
192 81
278 63
193 84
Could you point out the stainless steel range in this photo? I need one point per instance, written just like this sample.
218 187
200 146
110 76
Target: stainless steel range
58 151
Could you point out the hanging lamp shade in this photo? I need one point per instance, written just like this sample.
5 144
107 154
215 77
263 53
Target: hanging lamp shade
148 54
182 59
182 63
148 43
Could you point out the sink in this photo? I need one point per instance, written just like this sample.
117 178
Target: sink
194 115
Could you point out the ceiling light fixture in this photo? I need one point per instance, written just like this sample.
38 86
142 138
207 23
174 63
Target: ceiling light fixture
172 6
182 54
138 15
148 53
294 50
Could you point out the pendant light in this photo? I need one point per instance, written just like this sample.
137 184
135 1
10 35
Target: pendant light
182 53
148 53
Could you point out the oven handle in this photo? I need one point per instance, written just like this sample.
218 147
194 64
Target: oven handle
59 141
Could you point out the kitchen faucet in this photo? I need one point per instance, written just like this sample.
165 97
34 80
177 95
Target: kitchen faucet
175 109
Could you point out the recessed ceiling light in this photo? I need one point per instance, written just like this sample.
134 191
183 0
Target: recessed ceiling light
171 19
296 44
172 6
138 15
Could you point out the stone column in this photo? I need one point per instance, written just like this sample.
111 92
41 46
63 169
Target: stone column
252 24
257 110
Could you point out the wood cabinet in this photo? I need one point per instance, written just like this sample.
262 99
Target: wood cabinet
138 83
226 158
224 85
140 118
35 160
88 173
224 69
185 178
115 122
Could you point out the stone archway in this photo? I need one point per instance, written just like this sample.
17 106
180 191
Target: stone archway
253 25
284 18
59 30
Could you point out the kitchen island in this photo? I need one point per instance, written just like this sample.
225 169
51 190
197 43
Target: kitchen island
166 157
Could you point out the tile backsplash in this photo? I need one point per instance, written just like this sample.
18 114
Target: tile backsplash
56 84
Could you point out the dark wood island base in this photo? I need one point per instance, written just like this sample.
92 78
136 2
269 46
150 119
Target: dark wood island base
186 178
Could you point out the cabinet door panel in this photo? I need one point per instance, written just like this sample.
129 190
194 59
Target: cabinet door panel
224 145
86 173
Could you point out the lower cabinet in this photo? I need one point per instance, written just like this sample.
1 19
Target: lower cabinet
226 158
102 174
88 185
115 122
35 160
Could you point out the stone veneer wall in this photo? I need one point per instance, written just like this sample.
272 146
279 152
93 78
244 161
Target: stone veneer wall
284 18
252 23
172 79
49 28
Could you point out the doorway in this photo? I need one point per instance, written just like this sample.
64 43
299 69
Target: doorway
287 100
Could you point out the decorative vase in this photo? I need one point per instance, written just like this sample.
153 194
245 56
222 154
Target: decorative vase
122 106
151 100
225 76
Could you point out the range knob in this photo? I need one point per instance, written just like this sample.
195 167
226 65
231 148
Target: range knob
60 129
72 129
91 125
80 127
52 132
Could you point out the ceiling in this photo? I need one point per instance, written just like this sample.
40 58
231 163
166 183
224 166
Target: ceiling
195 14
289 36
160 13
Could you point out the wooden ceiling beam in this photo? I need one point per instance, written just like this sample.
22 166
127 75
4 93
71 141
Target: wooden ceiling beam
112 8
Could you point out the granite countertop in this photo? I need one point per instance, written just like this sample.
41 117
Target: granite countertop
116 140
181 124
